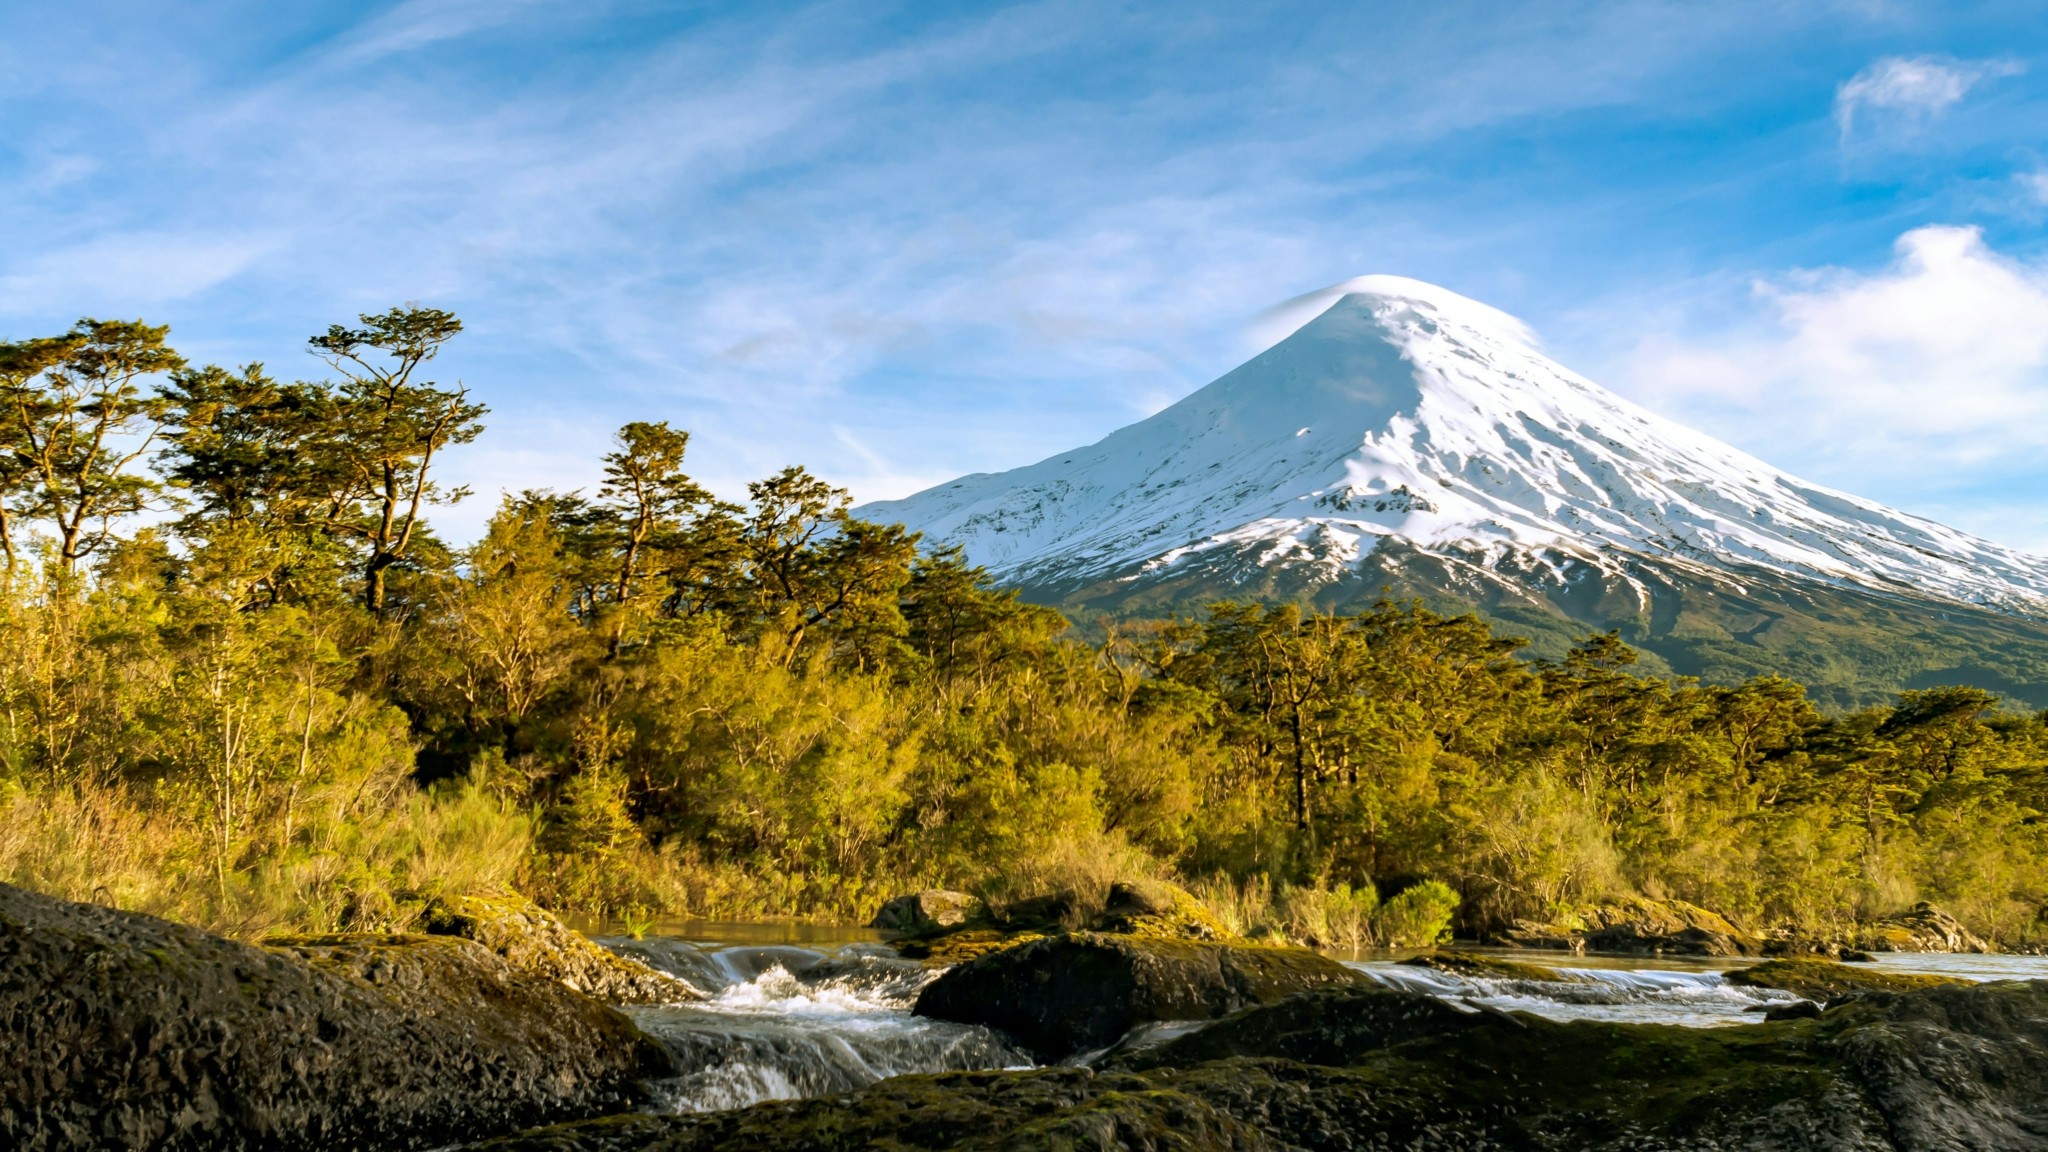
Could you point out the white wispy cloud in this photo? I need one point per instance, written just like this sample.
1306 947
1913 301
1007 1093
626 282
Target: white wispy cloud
892 246
417 24
1912 90
1924 383
129 270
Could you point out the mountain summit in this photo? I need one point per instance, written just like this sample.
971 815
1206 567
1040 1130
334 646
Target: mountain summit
1411 438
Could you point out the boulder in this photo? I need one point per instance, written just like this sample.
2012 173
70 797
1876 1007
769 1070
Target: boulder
536 944
1825 980
1664 927
1155 908
1637 926
962 944
1792 945
124 1031
1065 995
925 912
1923 928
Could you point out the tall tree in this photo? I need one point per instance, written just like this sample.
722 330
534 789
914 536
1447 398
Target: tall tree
245 446
811 563
646 500
387 430
78 419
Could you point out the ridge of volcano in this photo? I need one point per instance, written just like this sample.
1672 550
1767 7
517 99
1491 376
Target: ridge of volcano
1411 439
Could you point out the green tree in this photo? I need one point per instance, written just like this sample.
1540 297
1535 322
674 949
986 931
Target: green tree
387 429
77 420
812 566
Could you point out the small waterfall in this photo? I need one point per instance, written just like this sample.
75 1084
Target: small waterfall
1650 996
783 1022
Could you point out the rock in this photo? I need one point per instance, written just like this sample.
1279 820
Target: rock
1152 908
1050 912
1333 1026
1357 1067
924 912
1534 934
1051 1108
1635 926
123 1031
1065 995
1825 980
1668 927
1792 945
536 944
1924 928
961 945
1491 968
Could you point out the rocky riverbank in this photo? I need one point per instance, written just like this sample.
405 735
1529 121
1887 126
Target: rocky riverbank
486 1030
122 1031
1352 1067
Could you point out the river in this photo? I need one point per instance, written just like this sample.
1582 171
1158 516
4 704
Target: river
802 1010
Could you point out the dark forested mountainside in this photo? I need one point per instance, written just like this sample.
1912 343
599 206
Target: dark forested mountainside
289 704
1851 646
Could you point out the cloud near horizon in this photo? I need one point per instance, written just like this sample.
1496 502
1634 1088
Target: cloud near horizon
1927 376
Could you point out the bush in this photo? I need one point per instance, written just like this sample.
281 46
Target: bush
1416 917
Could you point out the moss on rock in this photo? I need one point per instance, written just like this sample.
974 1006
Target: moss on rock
1491 967
124 1031
1159 911
536 944
1069 994
1826 979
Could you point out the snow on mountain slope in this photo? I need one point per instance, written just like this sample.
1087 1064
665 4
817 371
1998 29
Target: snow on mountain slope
1408 411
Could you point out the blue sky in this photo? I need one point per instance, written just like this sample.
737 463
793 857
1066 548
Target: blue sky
901 242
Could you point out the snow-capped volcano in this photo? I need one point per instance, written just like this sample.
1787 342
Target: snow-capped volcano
1407 414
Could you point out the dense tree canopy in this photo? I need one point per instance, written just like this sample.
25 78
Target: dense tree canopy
282 700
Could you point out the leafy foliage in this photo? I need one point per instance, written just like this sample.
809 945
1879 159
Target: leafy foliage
290 705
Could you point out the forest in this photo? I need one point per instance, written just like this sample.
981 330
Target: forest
246 686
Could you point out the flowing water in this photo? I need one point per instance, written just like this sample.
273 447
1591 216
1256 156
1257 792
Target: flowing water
781 1021
1660 989
793 1011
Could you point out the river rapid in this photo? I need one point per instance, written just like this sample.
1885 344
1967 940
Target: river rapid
793 1011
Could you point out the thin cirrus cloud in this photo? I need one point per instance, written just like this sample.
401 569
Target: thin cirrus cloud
901 243
1910 91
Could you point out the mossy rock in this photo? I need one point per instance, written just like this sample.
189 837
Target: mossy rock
1065 995
946 949
1636 926
1492 968
124 1031
1921 928
1050 1108
1825 979
1148 909
932 910
537 944
1159 911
